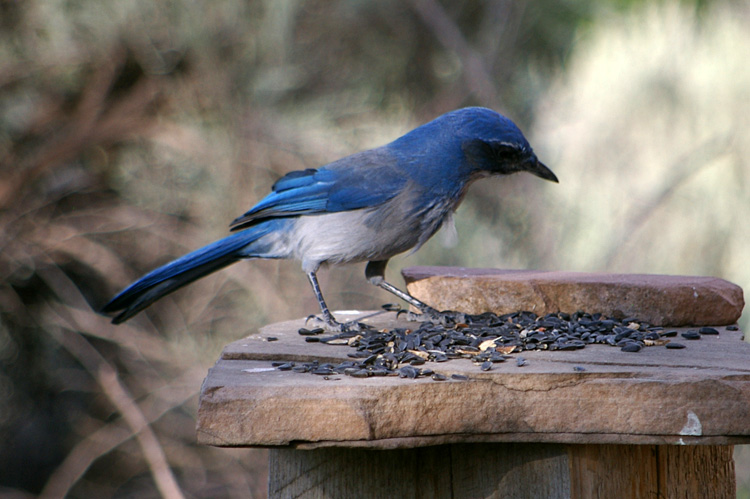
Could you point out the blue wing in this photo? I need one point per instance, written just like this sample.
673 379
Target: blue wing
361 180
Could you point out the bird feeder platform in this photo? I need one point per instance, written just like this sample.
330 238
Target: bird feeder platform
590 422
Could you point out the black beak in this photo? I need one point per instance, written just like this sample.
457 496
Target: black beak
541 171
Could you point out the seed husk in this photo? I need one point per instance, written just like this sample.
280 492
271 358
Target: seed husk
506 350
487 344
335 341
655 343
419 353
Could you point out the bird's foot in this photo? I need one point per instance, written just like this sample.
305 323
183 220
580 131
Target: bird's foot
331 325
447 318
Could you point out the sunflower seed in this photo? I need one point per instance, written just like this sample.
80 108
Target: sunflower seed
631 347
704 330
484 338
674 346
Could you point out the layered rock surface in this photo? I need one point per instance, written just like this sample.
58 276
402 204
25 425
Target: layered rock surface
661 300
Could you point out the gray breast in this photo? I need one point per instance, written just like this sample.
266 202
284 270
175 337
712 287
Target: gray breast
376 233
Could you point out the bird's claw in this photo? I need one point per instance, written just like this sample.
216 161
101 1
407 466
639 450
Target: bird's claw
446 318
331 325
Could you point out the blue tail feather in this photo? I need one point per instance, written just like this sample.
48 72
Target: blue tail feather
184 270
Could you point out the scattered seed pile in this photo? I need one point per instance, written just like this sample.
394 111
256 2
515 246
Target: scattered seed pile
486 339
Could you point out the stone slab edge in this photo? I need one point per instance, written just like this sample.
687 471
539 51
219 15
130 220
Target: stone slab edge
683 411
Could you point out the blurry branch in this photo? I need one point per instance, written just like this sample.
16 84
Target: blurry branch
687 166
504 21
103 115
57 241
106 376
476 76
82 457
107 438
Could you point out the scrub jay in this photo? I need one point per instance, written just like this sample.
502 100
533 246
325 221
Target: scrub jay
369 206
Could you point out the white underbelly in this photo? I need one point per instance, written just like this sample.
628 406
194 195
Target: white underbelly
346 237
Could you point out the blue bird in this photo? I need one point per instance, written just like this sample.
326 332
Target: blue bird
367 207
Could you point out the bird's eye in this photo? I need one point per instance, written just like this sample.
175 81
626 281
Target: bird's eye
503 151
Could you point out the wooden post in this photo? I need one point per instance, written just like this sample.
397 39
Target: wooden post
506 470
658 423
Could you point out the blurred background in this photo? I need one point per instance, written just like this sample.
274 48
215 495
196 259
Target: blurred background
134 131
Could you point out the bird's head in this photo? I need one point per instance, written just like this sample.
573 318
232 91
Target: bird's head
493 144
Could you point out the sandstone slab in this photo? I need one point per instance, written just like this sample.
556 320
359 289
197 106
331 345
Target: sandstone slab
597 395
658 299
565 423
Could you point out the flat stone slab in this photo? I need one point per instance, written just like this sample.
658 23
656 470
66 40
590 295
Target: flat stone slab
661 300
697 395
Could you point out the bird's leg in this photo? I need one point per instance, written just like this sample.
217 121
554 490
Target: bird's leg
327 316
375 273
328 322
